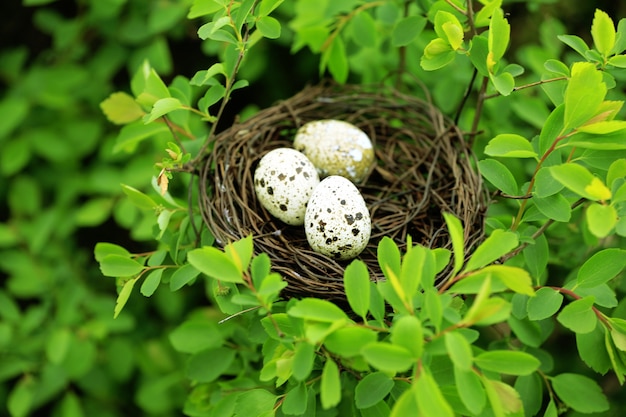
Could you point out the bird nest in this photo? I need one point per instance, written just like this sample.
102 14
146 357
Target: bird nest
423 168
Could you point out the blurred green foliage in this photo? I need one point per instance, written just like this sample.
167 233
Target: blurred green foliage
61 351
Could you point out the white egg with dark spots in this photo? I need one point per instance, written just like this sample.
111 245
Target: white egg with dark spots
284 180
337 222
336 148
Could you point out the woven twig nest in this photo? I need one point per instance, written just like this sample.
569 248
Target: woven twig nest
423 168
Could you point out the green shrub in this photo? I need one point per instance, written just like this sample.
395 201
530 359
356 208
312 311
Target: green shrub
533 323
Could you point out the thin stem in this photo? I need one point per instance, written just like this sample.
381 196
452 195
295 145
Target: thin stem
479 110
529 85
575 296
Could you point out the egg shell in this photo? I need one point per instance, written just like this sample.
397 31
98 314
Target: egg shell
336 148
284 180
337 222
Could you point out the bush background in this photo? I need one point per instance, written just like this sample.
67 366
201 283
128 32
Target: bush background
61 352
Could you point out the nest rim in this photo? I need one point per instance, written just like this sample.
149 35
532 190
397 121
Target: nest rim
423 167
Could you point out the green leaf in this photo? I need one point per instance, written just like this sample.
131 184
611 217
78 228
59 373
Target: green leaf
121 108
182 276
387 357
544 304
151 282
57 345
336 59
437 54
373 388
148 87
430 400
618 332
507 362
580 393
417 264
268 6
131 134
601 267
578 316
255 402
123 296
590 349
581 181
470 390
617 171
499 175
330 387
604 127
389 257
240 252
406 403
601 219
536 257
584 93
162 107
545 184
364 29
503 398
20 399
459 350
356 281
295 402
509 145
203 8
497 244
606 142
490 311
618 61
195 335
555 207
103 249
347 342
303 358
269 27
406 30
138 198
503 82
207 365
557 67
576 43
317 309
499 35
515 279
407 332
215 264
455 229
603 32
119 266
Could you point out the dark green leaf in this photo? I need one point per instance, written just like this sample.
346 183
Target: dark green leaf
194 336
317 309
554 207
478 54
590 349
330 387
530 388
296 400
255 402
387 357
269 27
544 304
20 399
337 60
406 30
545 184
364 29
470 390
215 264
182 276
578 316
208 365
374 387
103 249
499 175
356 281
579 392
119 266
601 267
536 257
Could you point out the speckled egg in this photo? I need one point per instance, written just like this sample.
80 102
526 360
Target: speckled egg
337 222
336 148
284 180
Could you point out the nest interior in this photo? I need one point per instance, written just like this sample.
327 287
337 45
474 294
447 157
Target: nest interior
422 168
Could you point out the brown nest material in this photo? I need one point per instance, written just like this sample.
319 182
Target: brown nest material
423 168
